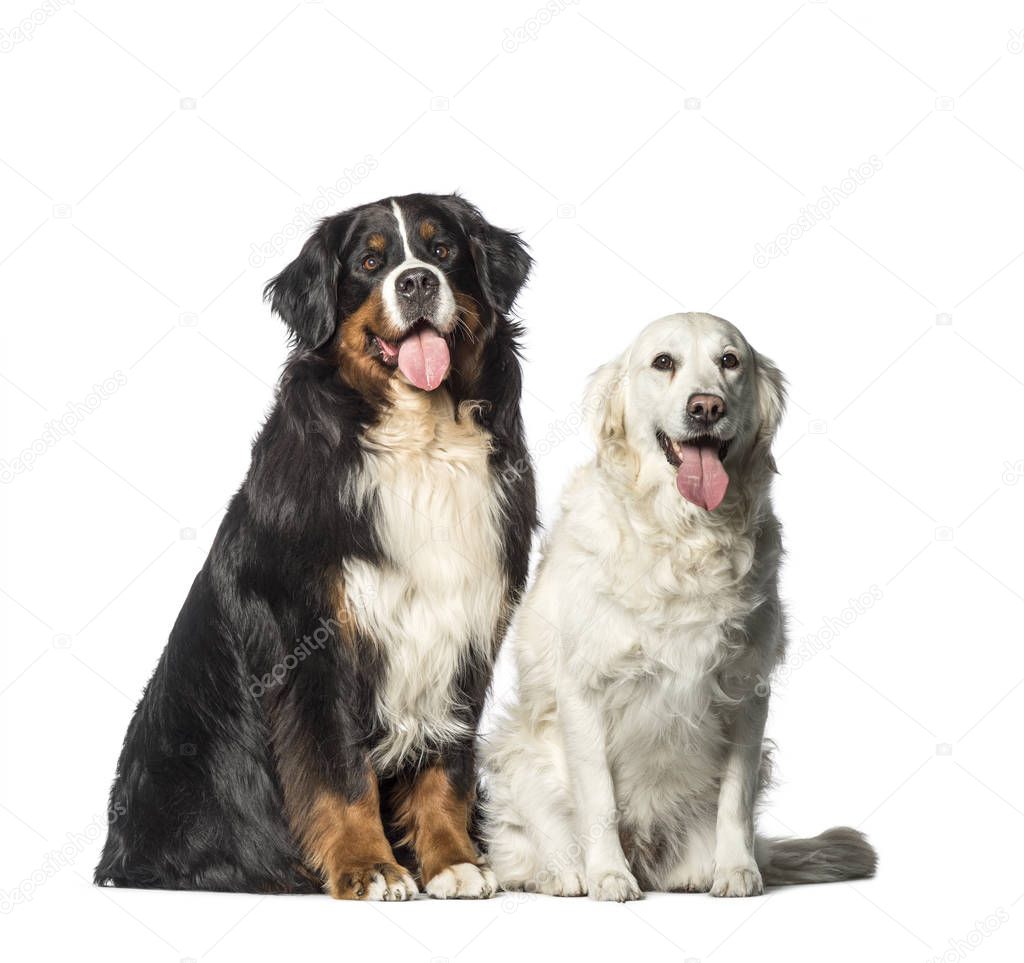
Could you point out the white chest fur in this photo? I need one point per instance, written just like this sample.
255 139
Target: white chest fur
439 592
661 609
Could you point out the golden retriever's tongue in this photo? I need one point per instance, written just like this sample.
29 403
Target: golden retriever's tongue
423 358
701 479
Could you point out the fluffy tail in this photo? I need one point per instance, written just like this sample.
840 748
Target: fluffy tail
836 854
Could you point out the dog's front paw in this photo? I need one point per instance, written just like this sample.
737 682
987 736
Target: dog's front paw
566 882
690 881
463 881
737 881
376 881
616 885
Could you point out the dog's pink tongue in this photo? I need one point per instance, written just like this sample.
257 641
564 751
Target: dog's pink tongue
701 479
423 358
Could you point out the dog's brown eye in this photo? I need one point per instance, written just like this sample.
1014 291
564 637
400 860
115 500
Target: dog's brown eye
441 251
371 263
729 360
663 362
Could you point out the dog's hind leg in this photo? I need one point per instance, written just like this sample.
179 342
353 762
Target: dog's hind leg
694 872
528 827
538 855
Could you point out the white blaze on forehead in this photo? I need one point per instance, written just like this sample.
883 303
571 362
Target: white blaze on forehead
445 318
402 233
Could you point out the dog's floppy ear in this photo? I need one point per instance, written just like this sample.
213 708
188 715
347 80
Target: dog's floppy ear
305 294
771 400
604 403
500 257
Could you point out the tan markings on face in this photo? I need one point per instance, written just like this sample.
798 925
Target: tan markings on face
362 371
376 243
427 230
345 842
467 356
358 369
435 819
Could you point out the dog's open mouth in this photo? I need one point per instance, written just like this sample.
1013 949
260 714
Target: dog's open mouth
422 355
700 476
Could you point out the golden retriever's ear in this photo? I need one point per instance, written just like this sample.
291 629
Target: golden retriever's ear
604 403
771 402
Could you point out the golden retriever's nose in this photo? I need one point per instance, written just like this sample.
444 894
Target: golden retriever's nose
705 409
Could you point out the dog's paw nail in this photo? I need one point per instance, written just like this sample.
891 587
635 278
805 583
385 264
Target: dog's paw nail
463 881
739 881
693 883
383 881
405 888
618 886
564 883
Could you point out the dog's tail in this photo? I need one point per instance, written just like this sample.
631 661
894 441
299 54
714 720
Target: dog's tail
836 854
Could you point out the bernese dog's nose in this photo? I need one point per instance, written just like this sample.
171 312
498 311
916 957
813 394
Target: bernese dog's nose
417 282
705 409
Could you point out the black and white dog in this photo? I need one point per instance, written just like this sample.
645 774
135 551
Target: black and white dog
311 721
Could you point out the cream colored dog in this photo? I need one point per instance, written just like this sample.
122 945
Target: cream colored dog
633 756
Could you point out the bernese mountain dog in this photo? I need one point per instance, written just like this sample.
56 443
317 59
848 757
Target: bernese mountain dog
310 725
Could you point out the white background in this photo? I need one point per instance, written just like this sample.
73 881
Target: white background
152 156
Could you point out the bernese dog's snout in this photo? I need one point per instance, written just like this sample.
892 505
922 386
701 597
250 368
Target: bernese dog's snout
418 294
417 282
